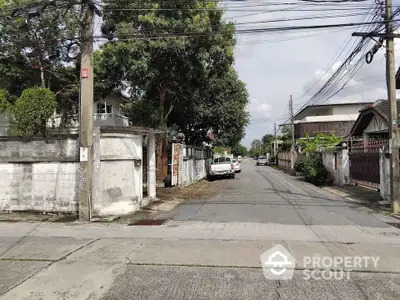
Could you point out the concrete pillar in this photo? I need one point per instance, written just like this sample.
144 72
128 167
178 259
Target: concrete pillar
151 165
96 201
366 141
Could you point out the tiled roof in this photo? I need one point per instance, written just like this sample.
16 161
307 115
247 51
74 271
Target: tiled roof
382 107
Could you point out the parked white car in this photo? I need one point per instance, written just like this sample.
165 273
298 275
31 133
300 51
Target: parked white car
220 167
236 165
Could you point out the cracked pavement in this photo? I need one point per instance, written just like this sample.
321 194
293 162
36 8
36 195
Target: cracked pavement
210 248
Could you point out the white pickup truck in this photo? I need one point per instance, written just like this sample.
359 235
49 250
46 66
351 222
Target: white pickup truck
221 166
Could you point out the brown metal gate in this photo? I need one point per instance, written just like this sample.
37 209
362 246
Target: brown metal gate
364 163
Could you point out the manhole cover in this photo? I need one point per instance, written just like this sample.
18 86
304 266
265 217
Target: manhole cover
149 222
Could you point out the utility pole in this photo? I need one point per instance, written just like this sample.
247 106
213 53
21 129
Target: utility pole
391 90
393 126
274 139
292 130
86 116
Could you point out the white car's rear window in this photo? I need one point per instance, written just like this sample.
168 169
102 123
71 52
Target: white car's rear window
222 159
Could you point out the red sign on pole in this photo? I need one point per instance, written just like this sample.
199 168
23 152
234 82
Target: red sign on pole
85 73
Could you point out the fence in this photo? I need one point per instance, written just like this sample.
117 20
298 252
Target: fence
285 159
189 164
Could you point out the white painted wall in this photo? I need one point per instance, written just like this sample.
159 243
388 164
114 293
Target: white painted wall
340 175
377 124
119 182
347 109
191 169
43 175
330 111
4 124
384 174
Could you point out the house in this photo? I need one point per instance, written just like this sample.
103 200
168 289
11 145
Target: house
368 141
372 122
106 112
334 116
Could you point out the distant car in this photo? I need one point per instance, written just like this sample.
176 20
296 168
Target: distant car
239 158
236 165
262 160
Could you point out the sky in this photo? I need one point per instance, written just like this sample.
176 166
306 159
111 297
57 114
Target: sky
276 65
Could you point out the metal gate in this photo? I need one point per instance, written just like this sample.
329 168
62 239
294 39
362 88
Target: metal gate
364 163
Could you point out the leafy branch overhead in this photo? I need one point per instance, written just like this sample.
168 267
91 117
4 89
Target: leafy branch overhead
185 80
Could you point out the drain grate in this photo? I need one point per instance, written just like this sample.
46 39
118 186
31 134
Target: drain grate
155 222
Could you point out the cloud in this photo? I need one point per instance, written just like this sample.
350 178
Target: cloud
259 109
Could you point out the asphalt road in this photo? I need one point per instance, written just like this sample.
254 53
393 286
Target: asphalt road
210 249
264 195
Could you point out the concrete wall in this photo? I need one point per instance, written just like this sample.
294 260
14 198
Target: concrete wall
284 159
118 183
337 164
39 175
43 175
384 174
192 165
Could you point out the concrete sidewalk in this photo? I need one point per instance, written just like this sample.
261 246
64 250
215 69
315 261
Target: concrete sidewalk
360 195
57 261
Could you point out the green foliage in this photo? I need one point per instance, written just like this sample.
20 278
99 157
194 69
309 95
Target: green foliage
320 140
31 111
221 149
256 148
239 150
312 167
36 55
4 100
185 81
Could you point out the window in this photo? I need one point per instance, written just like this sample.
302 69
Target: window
104 108
222 159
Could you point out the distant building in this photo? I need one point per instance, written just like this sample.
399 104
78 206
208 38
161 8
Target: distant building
336 117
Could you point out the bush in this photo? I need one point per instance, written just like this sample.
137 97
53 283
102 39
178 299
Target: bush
32 110
301 162
312 167
315 171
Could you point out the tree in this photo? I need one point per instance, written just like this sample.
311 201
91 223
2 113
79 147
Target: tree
31 111
256 148
36 39
266 141
175 59
239 150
